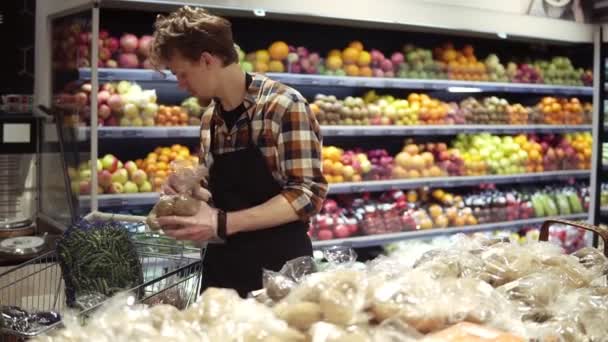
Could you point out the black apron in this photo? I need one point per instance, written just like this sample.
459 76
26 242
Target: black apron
240 180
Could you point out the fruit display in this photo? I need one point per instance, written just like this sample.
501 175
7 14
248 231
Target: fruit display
490 111
344 166
496 71
171 116
157 163
524 73
421 109
490 153
113 177
581 142
121 103
414 162
399 211
518 114
72 48
462 64
559 70
419 63
563 111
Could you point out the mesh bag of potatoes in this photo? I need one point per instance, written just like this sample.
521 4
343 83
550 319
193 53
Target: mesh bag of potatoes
186 181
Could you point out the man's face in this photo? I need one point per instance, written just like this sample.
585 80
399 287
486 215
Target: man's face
199 77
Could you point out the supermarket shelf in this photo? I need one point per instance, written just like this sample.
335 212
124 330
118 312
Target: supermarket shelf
121 200
145 75
382 239
330 131
404 83
343 188
149 198
141 132
338 131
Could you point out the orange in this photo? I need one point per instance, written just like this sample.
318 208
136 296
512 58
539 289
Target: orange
162 159
261 67
262 56
365 58
276 66
365 71
352 70
350 55
355 44
334 52
278 50
175 147
165 151
334 62
183 117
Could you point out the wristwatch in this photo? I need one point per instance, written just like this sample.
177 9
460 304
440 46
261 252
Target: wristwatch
221 225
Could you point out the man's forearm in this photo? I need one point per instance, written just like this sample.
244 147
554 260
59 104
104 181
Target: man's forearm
274 212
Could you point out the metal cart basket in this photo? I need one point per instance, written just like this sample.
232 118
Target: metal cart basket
37 285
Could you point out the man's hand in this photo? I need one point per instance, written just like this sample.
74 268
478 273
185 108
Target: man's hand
200 227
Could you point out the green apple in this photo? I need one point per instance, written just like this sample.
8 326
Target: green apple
145 187
120 176
130 187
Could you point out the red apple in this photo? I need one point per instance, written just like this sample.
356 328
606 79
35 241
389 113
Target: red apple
341 231
325 234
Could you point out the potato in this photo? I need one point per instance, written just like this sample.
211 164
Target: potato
185 205
164 207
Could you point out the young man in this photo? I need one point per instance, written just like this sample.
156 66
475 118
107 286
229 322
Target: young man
262 146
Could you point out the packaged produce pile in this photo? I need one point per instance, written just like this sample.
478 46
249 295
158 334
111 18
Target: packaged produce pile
462 289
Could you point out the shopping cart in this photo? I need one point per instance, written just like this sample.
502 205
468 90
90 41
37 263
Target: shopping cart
169 271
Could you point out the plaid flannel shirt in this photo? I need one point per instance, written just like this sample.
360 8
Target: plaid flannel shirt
286 132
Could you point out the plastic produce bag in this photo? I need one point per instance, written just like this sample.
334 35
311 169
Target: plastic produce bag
533 294
337 296
593 260
279 284
450 263
186 179
468 332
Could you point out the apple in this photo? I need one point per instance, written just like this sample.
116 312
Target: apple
131 167
109 162
99 165
146 186
325 234
129 42
130 187
139 177
130 111
120 176
150 110
115 102
116 188
104 178
85 174
137 122
104 111
85 187
123 87
341 231
111 63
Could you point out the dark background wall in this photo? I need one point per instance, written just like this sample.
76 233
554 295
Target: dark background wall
17 34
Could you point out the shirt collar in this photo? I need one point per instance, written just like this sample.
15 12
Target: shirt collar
250 99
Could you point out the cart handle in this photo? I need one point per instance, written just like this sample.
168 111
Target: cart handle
603 233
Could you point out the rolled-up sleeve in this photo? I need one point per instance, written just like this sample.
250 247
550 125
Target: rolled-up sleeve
299 143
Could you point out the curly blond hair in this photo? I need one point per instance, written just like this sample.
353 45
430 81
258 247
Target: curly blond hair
192 31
